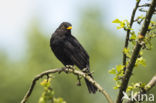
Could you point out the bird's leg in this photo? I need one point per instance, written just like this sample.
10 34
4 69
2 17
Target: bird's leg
79 80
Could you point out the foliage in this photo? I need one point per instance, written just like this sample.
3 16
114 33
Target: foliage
145 42
123 24
48 93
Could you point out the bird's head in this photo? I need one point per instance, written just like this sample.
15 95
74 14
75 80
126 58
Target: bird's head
65 26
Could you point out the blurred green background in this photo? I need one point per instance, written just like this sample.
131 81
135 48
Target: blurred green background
103 44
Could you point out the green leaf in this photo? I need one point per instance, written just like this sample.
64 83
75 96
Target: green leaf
116 21
116 78
141 61
115 87
112 71
119 67
137 0
133 36
129 88
119 27
59 100
127 52
141 53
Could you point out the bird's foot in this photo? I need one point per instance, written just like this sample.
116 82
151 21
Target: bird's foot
91 72
79 80
69 67
85 70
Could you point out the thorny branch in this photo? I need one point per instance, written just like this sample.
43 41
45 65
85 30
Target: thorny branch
66 70
137 48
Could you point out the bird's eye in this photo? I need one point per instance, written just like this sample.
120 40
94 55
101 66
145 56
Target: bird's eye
63 27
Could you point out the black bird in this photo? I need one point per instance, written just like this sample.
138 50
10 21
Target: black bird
69 51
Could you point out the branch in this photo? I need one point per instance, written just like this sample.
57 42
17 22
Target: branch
128 31
147 88
145 5
137 48
66 70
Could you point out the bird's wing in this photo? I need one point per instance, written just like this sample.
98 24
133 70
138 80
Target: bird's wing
76 52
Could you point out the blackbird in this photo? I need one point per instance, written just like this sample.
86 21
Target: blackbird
70 52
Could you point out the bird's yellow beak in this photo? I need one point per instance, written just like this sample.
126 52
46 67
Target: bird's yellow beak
69 27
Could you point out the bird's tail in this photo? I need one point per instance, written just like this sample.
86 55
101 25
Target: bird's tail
91 87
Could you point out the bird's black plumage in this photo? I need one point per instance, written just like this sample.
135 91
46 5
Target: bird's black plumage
69 51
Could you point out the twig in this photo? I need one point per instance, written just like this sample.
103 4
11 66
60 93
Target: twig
136 51
27 95
151 84
128 32
147 88
69 70
142 10
145 5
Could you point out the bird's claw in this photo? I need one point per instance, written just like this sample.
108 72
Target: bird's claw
69 67
91 72
84 70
